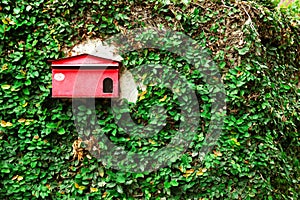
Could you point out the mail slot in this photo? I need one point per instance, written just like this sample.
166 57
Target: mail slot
85 76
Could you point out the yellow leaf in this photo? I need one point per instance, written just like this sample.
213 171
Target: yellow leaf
25 104
163 99
8 124
20 178
151 141
141 98
76 185
201 171
5 87
3 123
186 175
4 21
12 22
142 95
180 168
94 189
14 89
188 172
101 172
217 153
104 195
21 120
239 73
4 67
23 72
28 121
81 187
15 177
235 141
36 137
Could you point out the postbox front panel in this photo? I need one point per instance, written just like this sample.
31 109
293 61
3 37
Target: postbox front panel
76 83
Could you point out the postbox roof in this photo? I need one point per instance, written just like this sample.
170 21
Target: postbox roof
84 60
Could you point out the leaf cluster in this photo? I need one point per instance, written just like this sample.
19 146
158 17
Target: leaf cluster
256 49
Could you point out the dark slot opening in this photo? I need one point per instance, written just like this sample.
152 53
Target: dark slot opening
107 85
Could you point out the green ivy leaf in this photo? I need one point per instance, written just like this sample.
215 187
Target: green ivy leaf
121 179
61 131
51 125
5 170
26 91
178 16
174 183
167 185
17 10
243 51
20 76
119 189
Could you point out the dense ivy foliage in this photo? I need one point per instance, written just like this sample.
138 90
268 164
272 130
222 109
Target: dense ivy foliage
256 48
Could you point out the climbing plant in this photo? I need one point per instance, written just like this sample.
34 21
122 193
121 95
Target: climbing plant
255 46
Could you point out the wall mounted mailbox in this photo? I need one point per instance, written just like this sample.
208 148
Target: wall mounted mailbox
85 76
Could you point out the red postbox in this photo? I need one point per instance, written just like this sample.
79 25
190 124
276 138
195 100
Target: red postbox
85 76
